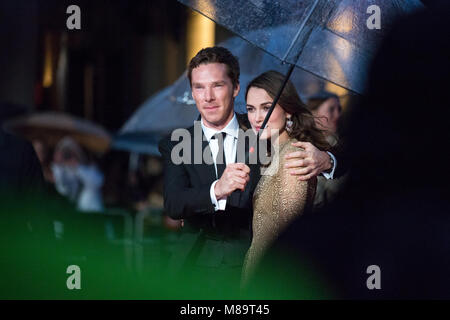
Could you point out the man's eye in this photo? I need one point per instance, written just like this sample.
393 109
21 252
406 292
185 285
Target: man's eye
219 85
266 108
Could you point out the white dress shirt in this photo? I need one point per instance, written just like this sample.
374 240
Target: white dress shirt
229 146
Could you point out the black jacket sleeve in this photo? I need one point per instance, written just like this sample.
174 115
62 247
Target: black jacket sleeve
181 198
341 162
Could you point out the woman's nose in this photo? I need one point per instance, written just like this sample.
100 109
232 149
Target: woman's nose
260 116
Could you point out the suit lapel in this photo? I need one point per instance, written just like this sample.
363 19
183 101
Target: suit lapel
209 168
206 171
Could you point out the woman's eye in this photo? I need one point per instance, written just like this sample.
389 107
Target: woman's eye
267 108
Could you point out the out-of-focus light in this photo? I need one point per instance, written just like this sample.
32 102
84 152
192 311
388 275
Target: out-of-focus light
342 93
334 68
344 22
331 87
342 48
200 34
47 78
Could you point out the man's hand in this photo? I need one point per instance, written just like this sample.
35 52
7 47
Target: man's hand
307 163
235 176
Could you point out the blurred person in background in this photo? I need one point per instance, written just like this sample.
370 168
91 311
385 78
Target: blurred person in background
326 108
20 170
75 177
43 153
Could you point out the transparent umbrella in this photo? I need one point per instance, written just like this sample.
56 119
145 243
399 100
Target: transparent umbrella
329 38
174 107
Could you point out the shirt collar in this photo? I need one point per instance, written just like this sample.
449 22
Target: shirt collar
232 128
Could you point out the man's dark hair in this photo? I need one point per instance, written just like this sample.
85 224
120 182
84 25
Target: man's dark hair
216 55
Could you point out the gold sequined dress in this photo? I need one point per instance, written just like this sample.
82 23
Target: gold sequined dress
278 199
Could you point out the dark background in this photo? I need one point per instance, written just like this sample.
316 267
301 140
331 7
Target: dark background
128 50
131 48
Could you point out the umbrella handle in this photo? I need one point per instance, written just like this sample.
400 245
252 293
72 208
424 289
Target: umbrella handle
235 196
275 101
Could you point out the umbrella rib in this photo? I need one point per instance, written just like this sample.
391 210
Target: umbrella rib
302 26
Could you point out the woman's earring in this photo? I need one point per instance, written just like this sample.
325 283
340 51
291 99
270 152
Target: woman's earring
289 124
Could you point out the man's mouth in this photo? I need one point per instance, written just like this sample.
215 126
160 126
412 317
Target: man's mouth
211 107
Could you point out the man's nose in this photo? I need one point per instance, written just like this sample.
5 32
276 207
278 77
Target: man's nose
209 94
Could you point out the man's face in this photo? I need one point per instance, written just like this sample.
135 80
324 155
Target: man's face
214 94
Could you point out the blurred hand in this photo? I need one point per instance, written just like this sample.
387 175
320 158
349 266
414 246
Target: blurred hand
307 163
235 177
172 224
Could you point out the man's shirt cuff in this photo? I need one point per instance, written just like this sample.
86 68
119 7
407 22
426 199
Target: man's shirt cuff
218 204
329 175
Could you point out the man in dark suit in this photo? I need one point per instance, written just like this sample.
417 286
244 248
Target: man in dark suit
200 193
214 198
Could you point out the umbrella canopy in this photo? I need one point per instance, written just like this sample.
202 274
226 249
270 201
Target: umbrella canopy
329 38
51 127
168 109
174 107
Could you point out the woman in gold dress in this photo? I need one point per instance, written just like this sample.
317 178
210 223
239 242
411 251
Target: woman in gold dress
279 196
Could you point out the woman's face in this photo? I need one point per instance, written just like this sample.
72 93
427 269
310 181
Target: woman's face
258 104
327 115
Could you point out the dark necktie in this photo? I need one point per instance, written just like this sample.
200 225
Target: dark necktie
220 158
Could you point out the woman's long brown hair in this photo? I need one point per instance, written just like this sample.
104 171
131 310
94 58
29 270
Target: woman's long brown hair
304 127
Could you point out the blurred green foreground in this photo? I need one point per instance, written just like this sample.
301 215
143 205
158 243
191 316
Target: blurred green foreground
41 237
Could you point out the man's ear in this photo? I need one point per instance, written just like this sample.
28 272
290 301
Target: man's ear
236 90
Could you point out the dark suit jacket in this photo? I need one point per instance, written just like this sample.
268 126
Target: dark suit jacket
20 169
226 234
